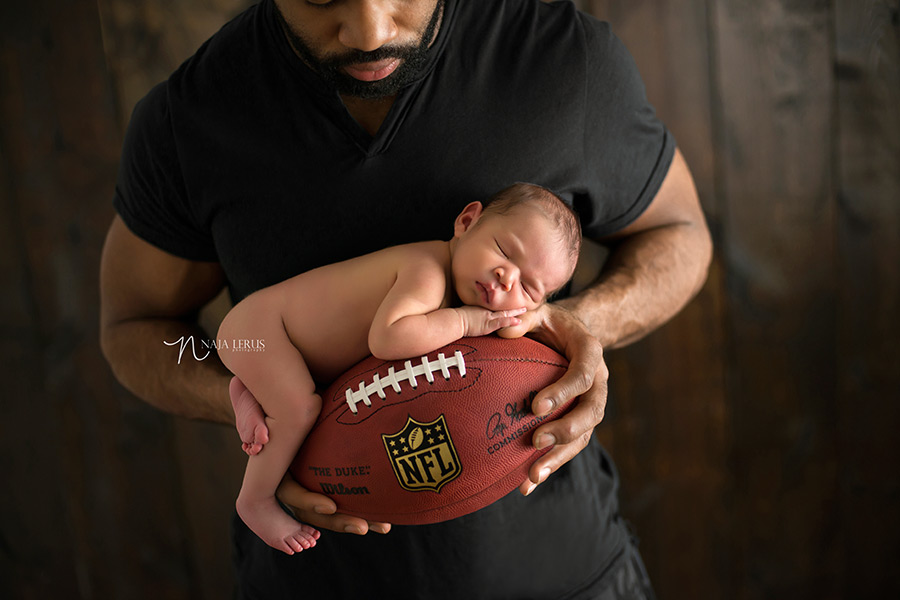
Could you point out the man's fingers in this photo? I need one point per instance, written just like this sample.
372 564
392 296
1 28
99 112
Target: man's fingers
320 511
585 381
569 428
581 377
293 494
379 527
553 460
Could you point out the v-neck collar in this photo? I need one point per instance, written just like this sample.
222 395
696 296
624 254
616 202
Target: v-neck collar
330 101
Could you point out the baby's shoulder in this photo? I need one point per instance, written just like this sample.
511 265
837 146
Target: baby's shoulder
421 259
433 253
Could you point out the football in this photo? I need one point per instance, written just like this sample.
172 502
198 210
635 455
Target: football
432 438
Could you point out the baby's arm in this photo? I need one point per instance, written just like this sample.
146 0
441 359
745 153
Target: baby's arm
411 322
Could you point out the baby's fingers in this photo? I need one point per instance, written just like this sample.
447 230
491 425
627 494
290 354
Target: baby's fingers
507 317
502 319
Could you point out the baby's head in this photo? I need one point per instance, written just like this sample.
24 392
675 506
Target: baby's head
516 250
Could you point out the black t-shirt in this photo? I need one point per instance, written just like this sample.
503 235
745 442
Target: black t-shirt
244 157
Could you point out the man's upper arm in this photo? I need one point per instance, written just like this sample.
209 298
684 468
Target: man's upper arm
138 280
675 203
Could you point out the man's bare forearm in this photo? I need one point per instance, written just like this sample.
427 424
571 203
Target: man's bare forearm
165 363
647 279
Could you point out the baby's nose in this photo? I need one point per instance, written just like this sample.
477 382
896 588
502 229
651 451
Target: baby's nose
504 277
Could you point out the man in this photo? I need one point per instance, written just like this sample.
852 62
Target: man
310 131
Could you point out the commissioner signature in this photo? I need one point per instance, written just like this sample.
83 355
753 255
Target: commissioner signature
514 412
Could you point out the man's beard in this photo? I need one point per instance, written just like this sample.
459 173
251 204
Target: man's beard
330 67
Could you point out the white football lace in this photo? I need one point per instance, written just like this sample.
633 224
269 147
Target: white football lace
408 373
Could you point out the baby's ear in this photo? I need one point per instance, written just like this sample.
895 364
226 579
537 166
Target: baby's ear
468 217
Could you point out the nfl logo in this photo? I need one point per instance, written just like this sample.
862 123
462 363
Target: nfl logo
423 455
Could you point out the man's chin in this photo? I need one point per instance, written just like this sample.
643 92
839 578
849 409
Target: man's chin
385 81
367 90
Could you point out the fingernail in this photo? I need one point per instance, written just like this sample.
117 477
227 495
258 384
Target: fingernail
322 510
353 529
530 488
544 474
543 406
545 440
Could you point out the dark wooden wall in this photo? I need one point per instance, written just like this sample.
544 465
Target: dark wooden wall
756 433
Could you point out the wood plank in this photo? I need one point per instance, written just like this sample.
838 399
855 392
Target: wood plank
775 101
33 515
667 427
867 36
144 42
123 533
669 40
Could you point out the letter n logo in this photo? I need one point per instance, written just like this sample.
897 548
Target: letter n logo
423 455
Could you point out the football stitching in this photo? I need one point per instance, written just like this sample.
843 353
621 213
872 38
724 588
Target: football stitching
426 368
337 401
534 361
473 375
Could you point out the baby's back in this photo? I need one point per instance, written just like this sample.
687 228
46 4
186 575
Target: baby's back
327 312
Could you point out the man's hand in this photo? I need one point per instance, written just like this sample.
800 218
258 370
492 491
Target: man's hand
320 511
586 379
658 263
478 321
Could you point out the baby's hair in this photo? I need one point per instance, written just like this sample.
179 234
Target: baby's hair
565 220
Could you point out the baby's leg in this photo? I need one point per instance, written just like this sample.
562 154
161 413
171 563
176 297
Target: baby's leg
282 384
256 503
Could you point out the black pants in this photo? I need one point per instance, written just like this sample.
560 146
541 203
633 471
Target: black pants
626 580
629 580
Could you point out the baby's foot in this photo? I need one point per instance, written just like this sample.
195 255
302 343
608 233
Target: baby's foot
275 527
249 418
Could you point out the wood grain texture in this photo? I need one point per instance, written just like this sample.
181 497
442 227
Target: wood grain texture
34 509
144 42
776 93
95 476
867 48
668 414
755 433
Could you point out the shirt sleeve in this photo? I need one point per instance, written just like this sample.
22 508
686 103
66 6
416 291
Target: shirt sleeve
627 149
150 195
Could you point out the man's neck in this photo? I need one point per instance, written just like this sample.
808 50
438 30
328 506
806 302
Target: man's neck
370 114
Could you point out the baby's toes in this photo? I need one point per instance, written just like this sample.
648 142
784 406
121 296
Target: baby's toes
251 449
307 541
309 531
260 435
295 544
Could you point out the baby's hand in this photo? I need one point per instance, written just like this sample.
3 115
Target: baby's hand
481 321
